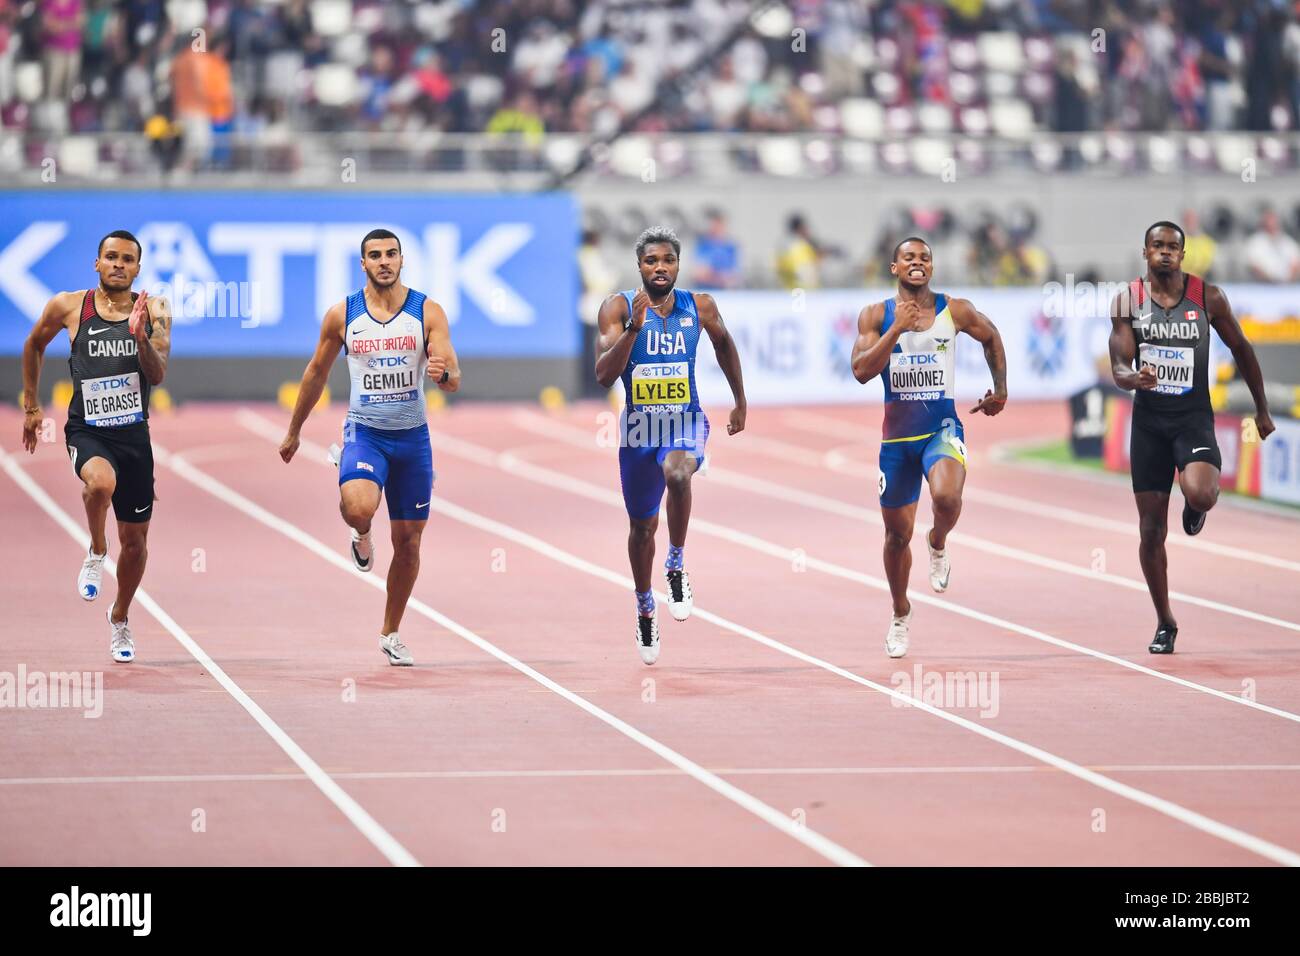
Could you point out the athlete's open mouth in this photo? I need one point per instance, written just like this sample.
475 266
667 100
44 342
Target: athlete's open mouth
917 273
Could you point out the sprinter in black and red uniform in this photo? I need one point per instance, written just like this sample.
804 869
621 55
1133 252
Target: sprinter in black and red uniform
120 344
1163 321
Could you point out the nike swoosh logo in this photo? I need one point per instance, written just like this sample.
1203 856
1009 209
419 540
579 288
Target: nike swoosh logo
1195 450
425 505
95 331
142 510
1146 318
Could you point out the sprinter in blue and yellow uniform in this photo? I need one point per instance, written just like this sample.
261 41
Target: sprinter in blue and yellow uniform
648 338
910 342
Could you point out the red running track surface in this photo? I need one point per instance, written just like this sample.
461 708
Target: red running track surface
529 731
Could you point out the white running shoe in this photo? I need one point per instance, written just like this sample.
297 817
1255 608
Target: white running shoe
940 567
680 598
120 644
647 638
896 639
363 551
91 577
395 650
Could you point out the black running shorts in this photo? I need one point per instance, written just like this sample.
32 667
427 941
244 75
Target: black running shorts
1162 442
129 452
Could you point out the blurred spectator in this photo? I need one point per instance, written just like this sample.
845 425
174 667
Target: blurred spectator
599 280
717 258
61 25
1070 105
1218 70
220 98
8 49
798 265
1271 254
1199 248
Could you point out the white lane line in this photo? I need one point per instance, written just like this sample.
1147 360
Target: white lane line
640 771
1175 811
810 838
835 460
382 840
513 465
576 437
205 778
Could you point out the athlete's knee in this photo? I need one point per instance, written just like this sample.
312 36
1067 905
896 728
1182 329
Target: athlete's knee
355 512
677 476
406 548
100 484
897 539
1202 498
1153 529
643 530
945 502
133 548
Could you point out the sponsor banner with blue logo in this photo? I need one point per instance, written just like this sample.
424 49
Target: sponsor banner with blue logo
796 347
1279 462
252 273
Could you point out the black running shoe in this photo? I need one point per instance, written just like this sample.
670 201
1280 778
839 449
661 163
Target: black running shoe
1163 642
1193 521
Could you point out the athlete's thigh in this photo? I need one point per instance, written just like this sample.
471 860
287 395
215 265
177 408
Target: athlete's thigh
1151 455
363 471
642 480
1196 452
93 461
409 488
900 474
947 476
133 498
944 461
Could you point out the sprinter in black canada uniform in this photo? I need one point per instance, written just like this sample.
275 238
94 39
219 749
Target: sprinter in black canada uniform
1163 321
120 344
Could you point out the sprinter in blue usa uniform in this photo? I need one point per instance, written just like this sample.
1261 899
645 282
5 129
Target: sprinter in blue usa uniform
394 337
648 340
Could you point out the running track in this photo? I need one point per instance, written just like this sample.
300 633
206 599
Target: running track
770 731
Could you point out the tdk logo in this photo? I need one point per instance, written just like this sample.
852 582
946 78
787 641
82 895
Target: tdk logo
389 361
109 383
103 909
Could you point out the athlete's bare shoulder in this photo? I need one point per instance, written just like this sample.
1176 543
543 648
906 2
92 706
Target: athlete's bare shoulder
963 311
872 317
335 318
66 304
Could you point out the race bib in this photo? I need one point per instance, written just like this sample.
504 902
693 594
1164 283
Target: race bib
917 376
1174 366
112 401
388 379
667 383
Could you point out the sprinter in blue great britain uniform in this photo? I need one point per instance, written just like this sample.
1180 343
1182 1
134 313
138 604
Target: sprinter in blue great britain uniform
910 342
393 337
121 341
648 339
1162 323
